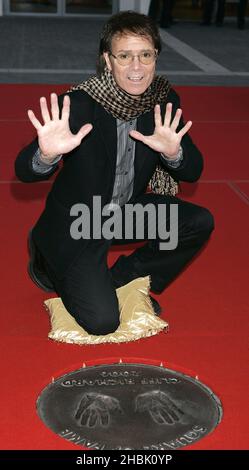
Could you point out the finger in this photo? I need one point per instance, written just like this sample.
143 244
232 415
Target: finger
78 412
86 400
138 136
167 418
82 133
85 418
54 106
115 405
176 120
91 396
105 418
119 409
167 117
157 417
44 110
171 408
185 129
174 416
84 130
34 120
174 410
138 403
66 108
158 118
170 412
93 419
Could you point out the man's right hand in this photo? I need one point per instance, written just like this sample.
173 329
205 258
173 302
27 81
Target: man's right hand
55 137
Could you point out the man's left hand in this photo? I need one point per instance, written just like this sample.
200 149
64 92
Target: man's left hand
165 138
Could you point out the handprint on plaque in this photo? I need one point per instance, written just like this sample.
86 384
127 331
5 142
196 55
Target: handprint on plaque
96 409
160 407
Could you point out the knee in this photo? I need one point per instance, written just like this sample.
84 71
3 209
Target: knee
94 317
100 325
100 319
206 221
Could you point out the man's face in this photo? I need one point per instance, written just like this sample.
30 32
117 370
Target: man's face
136 77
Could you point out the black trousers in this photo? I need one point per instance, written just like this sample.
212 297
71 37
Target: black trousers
208 11
241 12
162 9
88 288
209 7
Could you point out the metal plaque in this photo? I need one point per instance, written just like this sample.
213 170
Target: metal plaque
129 406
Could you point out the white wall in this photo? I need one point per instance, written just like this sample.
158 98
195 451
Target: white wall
138 5
144 6
126 5
1 7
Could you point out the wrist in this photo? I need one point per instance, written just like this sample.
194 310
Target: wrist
47 159
176 163
173 158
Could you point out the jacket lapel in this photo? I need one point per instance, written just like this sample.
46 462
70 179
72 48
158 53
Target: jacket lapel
145 125
107 127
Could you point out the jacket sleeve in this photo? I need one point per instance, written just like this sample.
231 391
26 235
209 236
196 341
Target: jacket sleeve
23 164
192 164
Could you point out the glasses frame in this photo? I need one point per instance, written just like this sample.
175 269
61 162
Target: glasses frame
133 57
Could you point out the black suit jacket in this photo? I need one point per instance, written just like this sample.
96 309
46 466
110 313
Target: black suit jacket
89 170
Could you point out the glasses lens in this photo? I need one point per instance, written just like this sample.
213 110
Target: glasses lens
147 57
124 58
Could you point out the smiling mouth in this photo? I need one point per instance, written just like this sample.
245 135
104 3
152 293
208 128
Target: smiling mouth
135 79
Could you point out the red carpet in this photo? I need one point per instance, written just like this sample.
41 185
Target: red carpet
207 306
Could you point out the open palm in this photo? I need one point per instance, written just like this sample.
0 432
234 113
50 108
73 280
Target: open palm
165 138
161 408
55 137
96 409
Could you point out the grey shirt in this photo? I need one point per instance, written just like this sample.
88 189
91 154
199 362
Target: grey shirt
124 177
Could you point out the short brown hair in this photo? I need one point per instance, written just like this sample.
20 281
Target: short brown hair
123 23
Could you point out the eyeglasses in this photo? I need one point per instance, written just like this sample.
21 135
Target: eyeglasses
126 58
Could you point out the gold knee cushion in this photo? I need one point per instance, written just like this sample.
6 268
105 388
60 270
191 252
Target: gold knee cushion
137 318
